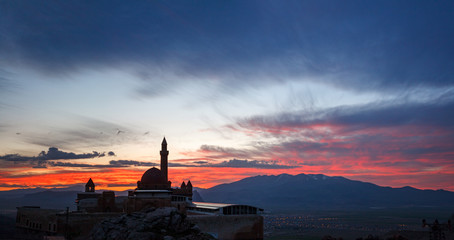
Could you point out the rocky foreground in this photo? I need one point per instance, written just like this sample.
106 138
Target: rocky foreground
152 224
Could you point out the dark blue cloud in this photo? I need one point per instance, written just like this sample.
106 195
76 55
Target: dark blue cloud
126 163
234 163
359 45
200 162
405 131
90 132
77 165
237 163
434 114
52 154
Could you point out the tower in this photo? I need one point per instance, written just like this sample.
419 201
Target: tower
90 186
164 159
189 187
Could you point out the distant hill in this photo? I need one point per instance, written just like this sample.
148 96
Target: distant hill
281 192
196 196
55 198
307 191
43 198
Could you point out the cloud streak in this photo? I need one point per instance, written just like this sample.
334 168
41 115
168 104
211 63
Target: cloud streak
44 159
263 42
53 154
430 114
88 133
124 163
408 138
236 163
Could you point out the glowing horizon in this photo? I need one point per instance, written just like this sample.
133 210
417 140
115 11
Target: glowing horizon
238 88
124 174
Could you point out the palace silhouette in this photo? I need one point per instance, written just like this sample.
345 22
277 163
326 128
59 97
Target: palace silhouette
222 220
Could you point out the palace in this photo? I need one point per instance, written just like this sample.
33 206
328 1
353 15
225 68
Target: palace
153 190
222 220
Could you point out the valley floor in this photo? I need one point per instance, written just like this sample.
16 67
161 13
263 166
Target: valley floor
308 225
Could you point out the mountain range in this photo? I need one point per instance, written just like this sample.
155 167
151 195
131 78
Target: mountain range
320 192
271 192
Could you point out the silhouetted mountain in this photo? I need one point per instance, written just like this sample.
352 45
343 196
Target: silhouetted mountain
17 193
282 192
322 192
44 199
54 198
196 196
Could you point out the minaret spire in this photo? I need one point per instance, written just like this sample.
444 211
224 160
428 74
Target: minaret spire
90 186
164 158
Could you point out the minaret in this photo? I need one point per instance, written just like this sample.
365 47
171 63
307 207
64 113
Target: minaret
189 187
164 160
90 186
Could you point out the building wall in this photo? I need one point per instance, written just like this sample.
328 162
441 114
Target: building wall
239 227
37 219
49 222
137 204
80 224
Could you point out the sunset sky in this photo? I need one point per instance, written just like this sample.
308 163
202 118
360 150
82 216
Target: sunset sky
360 89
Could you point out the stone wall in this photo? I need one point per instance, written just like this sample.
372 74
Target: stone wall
80 224
37 219
232 227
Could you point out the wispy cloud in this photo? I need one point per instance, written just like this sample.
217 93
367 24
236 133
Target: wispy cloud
351 118
111 164
233 163
86 132
77 165
218 152
236 163
122 163
406 137
44 159
52 154
258 43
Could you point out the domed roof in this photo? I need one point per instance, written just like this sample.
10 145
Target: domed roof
153 176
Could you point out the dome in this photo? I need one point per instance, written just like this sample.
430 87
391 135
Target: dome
153 176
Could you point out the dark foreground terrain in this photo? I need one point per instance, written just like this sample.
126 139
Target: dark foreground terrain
7 224
377 223
311 225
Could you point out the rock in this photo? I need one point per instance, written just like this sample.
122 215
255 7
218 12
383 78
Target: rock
195 228
142 235
152 223
176 220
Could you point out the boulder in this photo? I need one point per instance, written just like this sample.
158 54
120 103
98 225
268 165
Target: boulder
152 224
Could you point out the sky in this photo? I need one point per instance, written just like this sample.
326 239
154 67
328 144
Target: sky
360 89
